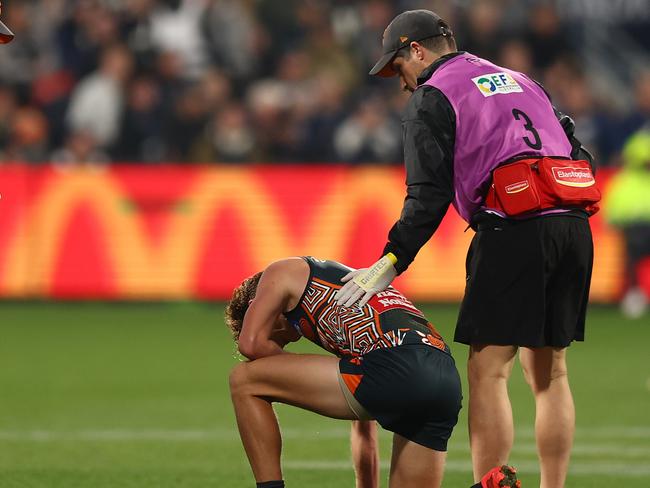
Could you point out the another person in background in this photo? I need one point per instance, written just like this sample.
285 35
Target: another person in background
231 37
6 36
228 138
368 135
175 26
482 32
86 32
97 102
321 123
545 35
80 149
8 106
516 55
627 206
27 137
19 59
140 137
270 107
529 264
183 128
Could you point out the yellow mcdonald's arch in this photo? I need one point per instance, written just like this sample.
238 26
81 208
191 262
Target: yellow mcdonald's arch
143 269
168 269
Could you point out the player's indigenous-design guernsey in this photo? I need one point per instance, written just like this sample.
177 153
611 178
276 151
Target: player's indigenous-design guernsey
388 320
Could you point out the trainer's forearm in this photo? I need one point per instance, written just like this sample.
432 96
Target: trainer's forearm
365 453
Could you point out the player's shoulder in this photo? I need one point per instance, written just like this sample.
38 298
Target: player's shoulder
286 266
289 274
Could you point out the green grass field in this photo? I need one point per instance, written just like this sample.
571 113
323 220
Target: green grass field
135 395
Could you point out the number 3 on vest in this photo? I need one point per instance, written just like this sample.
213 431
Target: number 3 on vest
537 143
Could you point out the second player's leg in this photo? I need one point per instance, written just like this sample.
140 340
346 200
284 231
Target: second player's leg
306 381
415 466
546 373
491 429
364 443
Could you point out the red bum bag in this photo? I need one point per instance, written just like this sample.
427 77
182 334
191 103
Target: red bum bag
531 185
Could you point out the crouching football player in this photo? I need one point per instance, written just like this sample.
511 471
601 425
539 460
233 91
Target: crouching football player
391 366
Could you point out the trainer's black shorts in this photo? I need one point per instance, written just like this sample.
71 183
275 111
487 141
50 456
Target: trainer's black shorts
411 390
527 282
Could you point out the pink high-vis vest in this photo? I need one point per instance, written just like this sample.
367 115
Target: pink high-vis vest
500 114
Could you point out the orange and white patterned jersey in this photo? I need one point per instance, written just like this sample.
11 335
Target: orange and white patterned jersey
388 320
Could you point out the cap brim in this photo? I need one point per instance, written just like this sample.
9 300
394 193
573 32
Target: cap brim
383 67
5 34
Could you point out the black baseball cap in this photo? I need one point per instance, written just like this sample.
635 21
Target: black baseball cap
409 26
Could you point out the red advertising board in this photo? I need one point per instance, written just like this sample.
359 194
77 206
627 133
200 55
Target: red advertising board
169 232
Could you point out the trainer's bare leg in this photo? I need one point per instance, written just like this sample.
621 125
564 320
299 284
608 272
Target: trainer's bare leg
546 372
308 381
491 430
415 466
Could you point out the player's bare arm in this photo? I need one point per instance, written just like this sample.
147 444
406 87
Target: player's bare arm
264 330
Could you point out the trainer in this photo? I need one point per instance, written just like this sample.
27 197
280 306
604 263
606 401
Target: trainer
488 140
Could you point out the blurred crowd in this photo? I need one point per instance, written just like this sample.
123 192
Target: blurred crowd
235 81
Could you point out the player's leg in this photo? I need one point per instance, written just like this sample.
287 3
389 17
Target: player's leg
546 372
306 381
415 466
491 430
364 444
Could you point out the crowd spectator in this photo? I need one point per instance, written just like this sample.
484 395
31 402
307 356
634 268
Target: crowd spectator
79 149
7 111
368 134
27 136
236 81
140 137
97 101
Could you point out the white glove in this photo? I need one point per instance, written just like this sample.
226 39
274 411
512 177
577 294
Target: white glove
364 283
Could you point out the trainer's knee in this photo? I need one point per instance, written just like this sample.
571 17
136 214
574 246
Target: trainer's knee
476 374
541 375
488 366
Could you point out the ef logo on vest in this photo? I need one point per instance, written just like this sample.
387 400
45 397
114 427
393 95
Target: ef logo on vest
496 83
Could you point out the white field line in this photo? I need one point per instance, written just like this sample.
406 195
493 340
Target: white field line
616 448
622 470
613 434
632 461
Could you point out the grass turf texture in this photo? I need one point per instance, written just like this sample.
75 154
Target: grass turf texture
135 395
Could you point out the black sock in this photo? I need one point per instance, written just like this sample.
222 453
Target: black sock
271 484
477 485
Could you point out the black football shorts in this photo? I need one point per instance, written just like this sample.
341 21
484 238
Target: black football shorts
527 282
412 390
